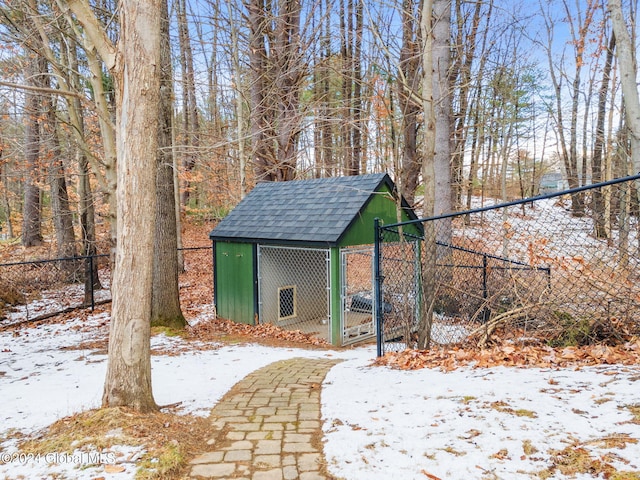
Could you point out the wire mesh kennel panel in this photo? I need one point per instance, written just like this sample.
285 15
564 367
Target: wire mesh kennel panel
294 289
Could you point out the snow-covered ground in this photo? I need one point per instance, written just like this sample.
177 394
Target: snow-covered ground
379 423
56 301
545 231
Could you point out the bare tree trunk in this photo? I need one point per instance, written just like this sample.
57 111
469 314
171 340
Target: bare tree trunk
128 380
134 65
191 116
428 177
108 134
442 104
328 161
408 99
358 118
277 71
60 209
88 228
31 214
165 305
258 113
318 98
478 127
240 106
568 146
610 201
288 74
476 147
466 47
86 207
346 54
4 166
599 216
625 53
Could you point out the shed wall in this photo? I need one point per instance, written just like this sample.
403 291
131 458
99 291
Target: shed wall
383 206
235 289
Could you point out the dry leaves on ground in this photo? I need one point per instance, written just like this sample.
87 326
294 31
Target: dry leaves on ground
509 355
214 329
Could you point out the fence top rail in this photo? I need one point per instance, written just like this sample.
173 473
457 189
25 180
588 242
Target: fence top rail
492 257
394 228
81 257
53 260
570 191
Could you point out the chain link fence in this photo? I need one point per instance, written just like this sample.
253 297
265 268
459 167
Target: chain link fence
33 290
533 271
36 290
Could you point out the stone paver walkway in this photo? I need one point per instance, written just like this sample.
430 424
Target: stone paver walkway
268 426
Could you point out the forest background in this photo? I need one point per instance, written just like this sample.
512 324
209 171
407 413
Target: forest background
296 89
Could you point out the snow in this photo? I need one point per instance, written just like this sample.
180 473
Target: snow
548 230
55 301
379 423
398 423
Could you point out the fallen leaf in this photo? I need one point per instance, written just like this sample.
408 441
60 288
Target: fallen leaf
502 454
109 468
430 476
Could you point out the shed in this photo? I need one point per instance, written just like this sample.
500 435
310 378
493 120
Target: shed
299 254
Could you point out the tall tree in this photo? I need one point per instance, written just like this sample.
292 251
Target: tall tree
428 176
625 53
465 46
86 206
442 104
60 209
579 26
31 210
4 166
134 63
599 215
165 306
259 113
277 70
288 75
409 98
191 117
351 29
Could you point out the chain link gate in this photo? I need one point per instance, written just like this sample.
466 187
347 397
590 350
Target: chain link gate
357 300
397 273
294 289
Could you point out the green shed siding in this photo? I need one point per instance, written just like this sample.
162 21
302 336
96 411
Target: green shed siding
235 281
382 205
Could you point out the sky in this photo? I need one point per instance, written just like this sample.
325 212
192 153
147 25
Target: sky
379 423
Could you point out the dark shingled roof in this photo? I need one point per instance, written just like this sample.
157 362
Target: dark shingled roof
300 211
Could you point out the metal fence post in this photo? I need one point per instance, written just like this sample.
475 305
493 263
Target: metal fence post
377 286
93 300
485 293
